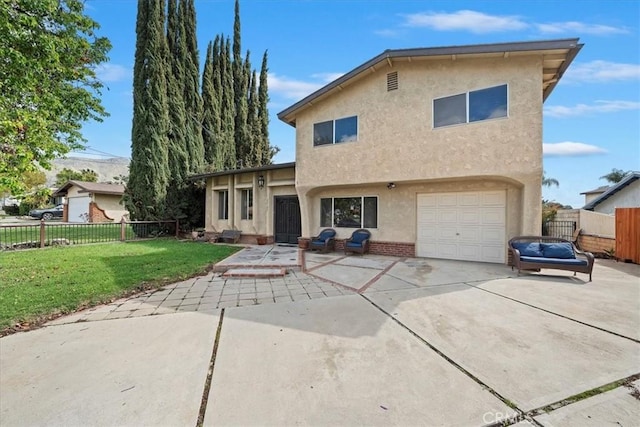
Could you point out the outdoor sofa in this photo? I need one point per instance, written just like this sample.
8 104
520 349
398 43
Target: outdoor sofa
537 252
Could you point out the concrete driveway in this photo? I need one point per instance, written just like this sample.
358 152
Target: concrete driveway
341 341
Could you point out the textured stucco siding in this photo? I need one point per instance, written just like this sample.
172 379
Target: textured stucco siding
277 183
628 197
397 141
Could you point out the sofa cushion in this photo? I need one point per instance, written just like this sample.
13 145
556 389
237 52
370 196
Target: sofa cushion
317 243
560 250
556 261
528 248
326 234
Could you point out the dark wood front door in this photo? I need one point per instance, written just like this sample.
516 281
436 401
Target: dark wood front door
287 219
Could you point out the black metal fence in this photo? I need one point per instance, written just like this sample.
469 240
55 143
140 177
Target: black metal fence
562 229
43 234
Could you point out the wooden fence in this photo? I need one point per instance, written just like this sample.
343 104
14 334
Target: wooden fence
628 234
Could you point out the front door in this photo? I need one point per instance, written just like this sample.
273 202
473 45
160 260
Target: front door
287 219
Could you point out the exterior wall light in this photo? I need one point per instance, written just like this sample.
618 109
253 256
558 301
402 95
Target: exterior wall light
391 186
261 181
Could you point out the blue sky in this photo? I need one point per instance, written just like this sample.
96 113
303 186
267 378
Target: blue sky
591 120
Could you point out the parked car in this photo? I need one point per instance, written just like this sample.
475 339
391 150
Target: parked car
47 213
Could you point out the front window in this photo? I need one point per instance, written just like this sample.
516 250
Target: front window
335 131
473 106
223 204
350 212
246 207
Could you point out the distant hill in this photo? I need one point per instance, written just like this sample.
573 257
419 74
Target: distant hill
105 168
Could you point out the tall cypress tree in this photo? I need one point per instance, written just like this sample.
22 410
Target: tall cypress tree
192 100
146 188
265 150
178 156
240 88
226 146
253 136
209 109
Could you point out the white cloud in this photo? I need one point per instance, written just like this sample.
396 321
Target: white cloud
601 71
465 20
579 27
584 109
569 149
297 89
387 33
113 72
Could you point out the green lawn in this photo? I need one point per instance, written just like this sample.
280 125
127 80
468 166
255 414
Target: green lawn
38 283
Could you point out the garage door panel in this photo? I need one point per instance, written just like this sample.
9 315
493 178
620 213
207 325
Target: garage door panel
78 209
469 199
469 234
493 215
469 252
445 200
447 216
468 216
465 226
494 198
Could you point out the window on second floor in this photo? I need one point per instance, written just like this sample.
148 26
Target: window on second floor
223 204
246 206
473 106
335 131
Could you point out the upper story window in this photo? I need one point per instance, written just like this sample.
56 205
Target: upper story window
473 106
335 131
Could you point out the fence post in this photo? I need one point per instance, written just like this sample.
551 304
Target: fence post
177 228
123 224
42 233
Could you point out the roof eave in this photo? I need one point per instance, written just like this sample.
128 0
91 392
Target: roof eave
288 115
246 170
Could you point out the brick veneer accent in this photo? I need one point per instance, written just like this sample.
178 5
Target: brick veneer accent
596 244
96 214
401 249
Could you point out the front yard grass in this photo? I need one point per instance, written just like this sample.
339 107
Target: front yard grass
39 284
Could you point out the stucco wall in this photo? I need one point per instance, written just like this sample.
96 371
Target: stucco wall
397 208
628 197
111 205
397 141
279 182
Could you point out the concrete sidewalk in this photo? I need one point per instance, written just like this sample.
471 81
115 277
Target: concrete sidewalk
354 340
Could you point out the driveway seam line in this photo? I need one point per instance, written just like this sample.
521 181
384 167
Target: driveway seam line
324 264
519 412
207 383
556 314
379 275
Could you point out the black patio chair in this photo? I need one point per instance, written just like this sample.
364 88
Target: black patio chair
325 241
358 242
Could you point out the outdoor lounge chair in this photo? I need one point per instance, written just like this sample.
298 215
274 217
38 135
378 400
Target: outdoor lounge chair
325 241
358 242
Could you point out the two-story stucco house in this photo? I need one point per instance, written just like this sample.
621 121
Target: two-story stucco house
437 151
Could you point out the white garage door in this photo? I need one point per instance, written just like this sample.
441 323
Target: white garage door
464 226
79 209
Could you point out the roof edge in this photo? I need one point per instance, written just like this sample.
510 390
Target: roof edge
245 170
628 179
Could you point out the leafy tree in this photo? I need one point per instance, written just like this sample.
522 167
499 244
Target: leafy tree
210 105
615 175
66 175
148 171
48 83
226 146
267 151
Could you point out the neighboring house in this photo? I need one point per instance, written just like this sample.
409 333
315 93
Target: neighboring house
437 151
624 194
92 202
594 194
